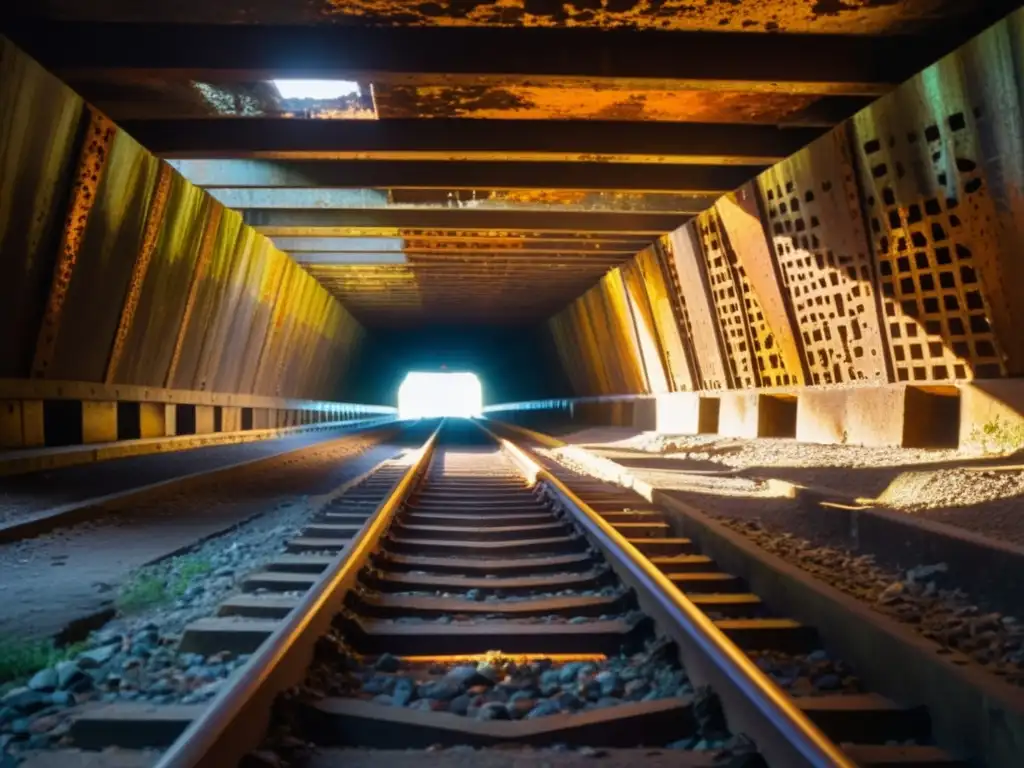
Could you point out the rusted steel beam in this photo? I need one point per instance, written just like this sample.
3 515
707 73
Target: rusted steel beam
486 200
805 63
99 136
427 174
445 244
454 219
471 140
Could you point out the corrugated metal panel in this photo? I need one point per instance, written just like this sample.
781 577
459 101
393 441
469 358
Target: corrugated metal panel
668 330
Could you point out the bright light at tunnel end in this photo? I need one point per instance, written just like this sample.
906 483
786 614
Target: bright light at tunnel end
426 395
316 89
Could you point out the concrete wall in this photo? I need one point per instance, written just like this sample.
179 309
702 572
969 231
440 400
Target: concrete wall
888 252
117 270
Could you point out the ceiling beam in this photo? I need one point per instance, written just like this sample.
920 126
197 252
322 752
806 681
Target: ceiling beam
470 140
697 179
381 199
455 219
805 63
511 245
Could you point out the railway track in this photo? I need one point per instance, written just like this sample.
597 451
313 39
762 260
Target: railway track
477 597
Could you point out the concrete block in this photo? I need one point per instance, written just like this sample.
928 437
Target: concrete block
992 415
738 414
686 413
21 424
230 418
264 418
872 416
152 420
170 420
751 414
99 422
645 414
205 420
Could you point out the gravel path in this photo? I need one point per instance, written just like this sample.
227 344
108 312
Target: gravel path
979 494
37 491
134 657
61 577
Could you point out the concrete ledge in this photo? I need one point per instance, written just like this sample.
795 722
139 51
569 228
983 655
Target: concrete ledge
44 521
38 459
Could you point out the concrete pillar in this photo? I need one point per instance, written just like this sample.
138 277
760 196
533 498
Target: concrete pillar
152 420
204 420
99 422
230 418
263 418
21 424
170 420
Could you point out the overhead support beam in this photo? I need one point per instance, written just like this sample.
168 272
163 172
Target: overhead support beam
513 245
697 179
463 220
383 199
627 59
421 259
471 140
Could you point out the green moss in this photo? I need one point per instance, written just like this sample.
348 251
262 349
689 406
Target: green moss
21 658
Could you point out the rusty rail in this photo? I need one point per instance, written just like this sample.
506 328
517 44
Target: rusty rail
237 718
755 705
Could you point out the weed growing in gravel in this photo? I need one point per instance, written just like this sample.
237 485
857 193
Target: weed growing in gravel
162 583
20 658
999 436
143 591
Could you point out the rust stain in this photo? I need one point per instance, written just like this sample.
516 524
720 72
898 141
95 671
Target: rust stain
92 160
587 103
154 221
859 17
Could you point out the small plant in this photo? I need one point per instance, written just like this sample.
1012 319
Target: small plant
161 583
21 658
999 436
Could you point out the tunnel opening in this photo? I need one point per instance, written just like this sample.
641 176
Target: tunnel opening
932 418
777 416
426 395
185 419
62 423
129 421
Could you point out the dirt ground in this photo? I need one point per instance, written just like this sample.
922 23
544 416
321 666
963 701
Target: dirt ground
74 573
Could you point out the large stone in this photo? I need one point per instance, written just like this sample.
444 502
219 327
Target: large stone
25 700
44 680
97 657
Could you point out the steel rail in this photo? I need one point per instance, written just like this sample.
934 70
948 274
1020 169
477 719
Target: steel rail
238 716
784 735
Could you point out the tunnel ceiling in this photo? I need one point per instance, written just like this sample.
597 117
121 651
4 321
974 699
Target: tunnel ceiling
498 157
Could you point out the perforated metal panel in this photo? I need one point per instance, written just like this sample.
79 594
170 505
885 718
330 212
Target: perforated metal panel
812 205
929 223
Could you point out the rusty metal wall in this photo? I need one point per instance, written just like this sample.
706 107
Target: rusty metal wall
887 251
118 270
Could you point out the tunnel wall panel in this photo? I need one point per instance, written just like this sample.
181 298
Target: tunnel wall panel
40 125
887 252
119 271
